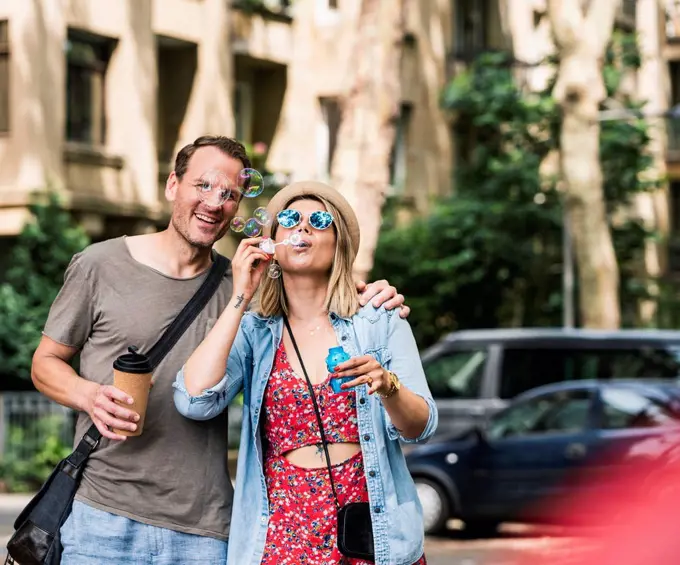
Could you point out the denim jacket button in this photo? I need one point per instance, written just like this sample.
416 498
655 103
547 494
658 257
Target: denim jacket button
367 437
344 338
377 510
371 473
362 401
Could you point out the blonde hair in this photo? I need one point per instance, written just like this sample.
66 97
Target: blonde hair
341 297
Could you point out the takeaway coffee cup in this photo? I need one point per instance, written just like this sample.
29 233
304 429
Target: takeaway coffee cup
132 374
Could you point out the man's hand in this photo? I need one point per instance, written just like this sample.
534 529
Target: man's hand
381 293
106 413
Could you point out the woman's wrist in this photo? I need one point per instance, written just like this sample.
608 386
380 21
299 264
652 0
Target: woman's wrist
239 300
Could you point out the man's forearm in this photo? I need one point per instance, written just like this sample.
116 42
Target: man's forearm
56 379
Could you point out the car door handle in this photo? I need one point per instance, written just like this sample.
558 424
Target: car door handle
575 451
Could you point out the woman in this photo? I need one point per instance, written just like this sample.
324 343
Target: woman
285 506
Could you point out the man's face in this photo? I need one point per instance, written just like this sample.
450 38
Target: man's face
201 223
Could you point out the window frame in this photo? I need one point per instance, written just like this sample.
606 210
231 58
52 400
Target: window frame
471 352
5 58
398 164
327 135
588 425
649 399
103 48
464 49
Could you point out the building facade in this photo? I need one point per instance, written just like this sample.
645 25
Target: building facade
96 96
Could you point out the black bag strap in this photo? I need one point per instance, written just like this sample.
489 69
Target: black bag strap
324 442
162 347
191 309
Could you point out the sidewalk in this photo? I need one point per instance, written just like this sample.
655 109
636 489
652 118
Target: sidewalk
10 507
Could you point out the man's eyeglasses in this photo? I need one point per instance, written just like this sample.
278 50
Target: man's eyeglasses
214 188
319 220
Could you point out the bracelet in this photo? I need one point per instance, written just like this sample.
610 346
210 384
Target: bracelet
394 386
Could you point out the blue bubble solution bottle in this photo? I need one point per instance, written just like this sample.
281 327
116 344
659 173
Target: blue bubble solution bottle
337 355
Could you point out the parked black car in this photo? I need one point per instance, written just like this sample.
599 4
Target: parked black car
473 374
520 466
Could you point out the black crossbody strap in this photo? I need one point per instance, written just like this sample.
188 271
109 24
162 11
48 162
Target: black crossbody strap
163 346
188 314
324 442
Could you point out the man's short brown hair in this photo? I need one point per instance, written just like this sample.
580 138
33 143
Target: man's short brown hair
227 145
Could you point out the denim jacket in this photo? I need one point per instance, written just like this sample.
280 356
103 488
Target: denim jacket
395 509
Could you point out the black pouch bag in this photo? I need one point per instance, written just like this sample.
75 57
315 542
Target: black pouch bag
355 527
36 539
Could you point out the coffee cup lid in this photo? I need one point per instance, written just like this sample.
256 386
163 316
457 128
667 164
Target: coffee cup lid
133 362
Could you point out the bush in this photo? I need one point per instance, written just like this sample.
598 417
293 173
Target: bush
31 453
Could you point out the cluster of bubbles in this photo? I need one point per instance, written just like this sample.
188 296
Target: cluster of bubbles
253 226
215 189
251 184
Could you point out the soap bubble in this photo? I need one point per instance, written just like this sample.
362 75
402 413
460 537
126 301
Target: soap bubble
274 271
295 239
267 245
262 216
213 188
237 224
250 183
252 228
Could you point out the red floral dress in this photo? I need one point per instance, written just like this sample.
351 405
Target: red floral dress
302 511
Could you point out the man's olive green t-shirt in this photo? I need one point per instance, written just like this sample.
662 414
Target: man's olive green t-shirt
175 474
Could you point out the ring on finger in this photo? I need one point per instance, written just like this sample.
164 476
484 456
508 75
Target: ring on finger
370 381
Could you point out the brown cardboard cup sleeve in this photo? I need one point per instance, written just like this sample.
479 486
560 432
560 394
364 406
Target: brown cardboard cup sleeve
132 374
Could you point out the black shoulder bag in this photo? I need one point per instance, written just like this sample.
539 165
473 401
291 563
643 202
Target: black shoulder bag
36 540
355 528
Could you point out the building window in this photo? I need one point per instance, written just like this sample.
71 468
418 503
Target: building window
470 27
87 57
4 76
326 12
176 62
399 154
243 111
327 135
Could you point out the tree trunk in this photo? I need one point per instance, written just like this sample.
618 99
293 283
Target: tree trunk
360 168
582 30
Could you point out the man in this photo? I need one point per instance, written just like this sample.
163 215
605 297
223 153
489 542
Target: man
130 507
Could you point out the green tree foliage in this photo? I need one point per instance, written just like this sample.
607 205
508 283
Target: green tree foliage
33 279
491 255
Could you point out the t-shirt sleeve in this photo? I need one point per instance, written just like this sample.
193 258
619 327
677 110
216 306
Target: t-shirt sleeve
72 313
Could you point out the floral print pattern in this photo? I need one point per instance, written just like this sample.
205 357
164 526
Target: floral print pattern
290 421
302 512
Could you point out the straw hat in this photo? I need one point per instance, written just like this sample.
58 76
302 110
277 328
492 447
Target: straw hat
314 188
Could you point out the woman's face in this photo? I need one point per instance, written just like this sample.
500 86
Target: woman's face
315 252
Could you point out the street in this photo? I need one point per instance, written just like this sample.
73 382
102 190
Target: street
513 544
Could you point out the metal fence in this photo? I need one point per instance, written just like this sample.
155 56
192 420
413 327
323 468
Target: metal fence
28 420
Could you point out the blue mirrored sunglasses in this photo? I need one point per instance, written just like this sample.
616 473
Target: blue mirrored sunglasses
319 220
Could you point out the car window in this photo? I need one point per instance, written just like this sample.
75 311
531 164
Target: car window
625 408
559 412
527 368
458 374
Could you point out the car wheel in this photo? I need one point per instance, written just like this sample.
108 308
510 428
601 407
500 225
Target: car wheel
435 505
